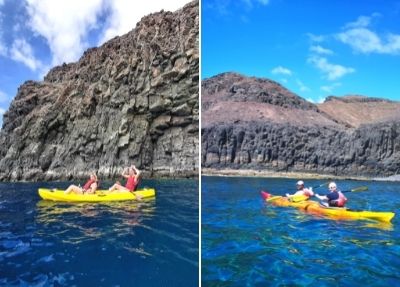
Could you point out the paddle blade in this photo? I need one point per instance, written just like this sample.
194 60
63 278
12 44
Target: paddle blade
361 188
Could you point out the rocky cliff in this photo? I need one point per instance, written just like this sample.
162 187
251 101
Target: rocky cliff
252 123
134 100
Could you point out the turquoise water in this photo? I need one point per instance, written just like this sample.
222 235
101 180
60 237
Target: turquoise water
149 243
246 242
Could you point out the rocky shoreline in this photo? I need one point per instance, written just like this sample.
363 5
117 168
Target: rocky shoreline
295 175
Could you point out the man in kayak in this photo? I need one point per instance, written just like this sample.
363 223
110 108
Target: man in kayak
89 187
335 198
301 191
132 180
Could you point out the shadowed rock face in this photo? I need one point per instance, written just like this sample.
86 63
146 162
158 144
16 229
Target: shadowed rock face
295 135
133 100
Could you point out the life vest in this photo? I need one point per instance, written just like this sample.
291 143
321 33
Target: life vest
88 184
340 202
131 183
305 192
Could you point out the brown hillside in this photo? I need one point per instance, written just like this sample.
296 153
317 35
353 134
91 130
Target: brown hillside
230 98
356 110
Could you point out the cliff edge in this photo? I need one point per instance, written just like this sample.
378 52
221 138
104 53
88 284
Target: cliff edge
134 100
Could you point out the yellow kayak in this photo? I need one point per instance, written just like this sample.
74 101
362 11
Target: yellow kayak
100 195
345 213
316 208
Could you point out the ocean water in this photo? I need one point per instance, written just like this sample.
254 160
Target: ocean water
247 242
153 242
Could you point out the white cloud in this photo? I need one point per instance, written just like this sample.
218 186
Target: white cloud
22 52
316 38
283 80
64 25
329 89
362 39
126 13
331 71
362 21
319 100
264 2
1 2
281 70
365 41
302 87
320 50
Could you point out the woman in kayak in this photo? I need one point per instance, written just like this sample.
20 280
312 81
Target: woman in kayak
89 187
335 198
301 190
132 179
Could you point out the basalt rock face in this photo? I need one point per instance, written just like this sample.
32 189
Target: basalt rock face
293 136
134 100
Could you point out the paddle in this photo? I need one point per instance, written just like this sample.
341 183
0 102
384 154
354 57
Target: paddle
321 185
361 188
357 189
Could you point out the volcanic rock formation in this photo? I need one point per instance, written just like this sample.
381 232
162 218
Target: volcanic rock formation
134 100
252 123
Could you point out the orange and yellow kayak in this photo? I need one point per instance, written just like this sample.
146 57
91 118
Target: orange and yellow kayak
338 213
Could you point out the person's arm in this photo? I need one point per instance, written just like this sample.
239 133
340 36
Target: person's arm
136 171
321 197
309 191
125 173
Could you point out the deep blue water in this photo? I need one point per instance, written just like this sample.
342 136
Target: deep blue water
149 243
246 242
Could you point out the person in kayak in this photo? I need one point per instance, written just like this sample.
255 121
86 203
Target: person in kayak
89 187
335 198
132 175
301 190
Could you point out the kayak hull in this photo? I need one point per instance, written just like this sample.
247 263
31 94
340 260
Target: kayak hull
316 208
347 214
99 196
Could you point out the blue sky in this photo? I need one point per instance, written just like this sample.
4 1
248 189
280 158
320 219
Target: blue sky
36 35
314 48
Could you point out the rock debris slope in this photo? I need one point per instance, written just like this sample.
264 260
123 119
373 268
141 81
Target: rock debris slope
252 123
134 100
